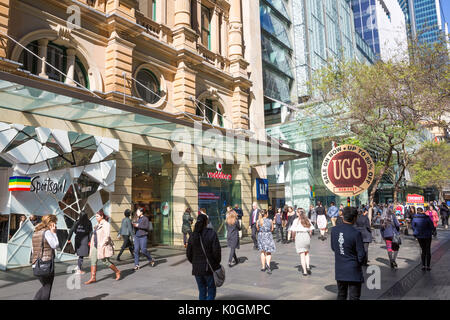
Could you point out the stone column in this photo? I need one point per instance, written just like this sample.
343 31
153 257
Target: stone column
224 36
184 88
161 11
70 66
235 33
42 52
185 194
215 32
182 13
4 22
183 36
119 57
121 197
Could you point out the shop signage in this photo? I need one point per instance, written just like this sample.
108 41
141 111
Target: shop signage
208 196
218 174
347 170
34 185
414 199
262 189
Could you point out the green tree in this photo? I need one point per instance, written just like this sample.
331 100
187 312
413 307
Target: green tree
431 166
386 104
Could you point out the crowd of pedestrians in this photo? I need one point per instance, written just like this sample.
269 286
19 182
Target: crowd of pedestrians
352 232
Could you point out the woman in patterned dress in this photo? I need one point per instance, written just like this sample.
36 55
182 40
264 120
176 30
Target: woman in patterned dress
265 240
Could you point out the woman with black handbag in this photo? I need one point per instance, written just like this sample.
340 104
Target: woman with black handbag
390 231
204 252
82 229
44 242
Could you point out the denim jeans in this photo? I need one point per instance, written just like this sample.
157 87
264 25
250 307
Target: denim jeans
140 244
279 231
206 287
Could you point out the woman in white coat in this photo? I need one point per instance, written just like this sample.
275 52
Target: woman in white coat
302 228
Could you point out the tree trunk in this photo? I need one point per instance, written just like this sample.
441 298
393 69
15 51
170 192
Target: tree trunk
380 175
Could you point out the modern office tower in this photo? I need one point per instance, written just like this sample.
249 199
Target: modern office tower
382 25
425 19
322 30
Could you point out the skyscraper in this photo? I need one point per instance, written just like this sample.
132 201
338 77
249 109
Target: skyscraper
425 19
382 25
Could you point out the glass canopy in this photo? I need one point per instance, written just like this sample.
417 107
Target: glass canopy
35 97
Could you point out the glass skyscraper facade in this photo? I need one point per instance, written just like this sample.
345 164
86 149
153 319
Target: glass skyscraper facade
366 22
322 30
277 49
424 18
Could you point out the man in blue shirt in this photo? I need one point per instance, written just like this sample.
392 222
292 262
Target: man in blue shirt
333 213
348 247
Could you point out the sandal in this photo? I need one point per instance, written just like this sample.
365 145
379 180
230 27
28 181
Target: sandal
152 263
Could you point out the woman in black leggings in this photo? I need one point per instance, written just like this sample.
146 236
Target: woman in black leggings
423 230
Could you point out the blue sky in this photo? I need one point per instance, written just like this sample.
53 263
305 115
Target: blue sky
446 8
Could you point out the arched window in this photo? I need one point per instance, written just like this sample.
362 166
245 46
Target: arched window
58 57
151 93
211 111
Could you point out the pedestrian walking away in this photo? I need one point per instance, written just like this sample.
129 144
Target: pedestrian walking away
302 227
186 228
126 233
290 219
271 213
255 215
83 231
240 214
233 228
201 270
349 254
432 213
321 220
423 228
266 245
284 222
140 239
44 242
390 231
312 216
444 212
333 213
102 247
278 225
363 225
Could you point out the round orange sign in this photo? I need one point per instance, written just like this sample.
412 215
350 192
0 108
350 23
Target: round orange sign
347 170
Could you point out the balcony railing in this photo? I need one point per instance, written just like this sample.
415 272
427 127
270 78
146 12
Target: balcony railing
215 59
155 29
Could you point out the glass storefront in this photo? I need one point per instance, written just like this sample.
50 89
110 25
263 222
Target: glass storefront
152 189
216 192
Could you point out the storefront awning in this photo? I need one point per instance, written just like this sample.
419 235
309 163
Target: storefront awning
55 101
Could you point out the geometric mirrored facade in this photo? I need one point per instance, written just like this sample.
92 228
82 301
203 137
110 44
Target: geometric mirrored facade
57 172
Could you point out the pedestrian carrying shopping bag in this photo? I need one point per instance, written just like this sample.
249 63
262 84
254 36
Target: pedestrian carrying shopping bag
219 274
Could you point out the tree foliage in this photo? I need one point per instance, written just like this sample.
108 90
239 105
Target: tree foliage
384 105
431 166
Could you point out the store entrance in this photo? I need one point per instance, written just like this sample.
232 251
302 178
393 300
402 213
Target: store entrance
152 190
214 196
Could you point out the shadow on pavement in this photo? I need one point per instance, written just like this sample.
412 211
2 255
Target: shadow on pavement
98 297
274 265
242 259
332 288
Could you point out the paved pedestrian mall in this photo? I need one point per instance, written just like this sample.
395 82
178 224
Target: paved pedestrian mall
172 279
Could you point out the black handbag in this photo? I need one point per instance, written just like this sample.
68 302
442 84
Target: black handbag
219 274
43 268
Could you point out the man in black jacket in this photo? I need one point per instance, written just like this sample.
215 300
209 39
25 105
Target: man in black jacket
348 247
204 240
140 239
